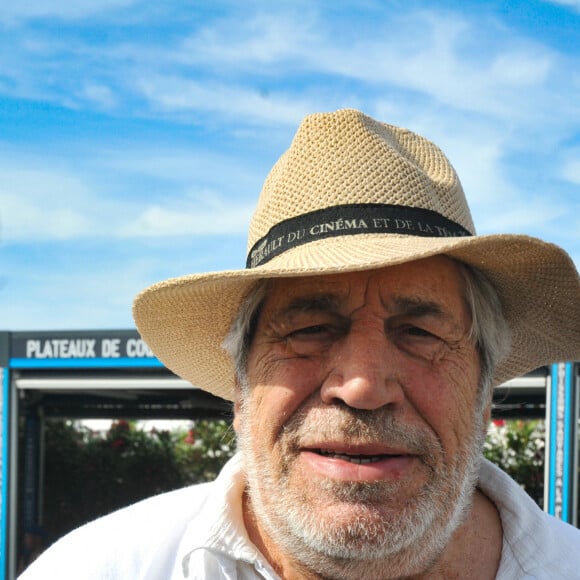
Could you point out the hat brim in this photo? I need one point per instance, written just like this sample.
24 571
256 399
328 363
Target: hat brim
185 320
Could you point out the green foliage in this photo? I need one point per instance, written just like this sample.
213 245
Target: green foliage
518 448
88 474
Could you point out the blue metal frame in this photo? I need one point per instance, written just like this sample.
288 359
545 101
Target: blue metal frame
85 363
4 483
561 447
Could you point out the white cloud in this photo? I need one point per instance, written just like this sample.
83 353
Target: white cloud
41 204
571 3
99 94
536 215
444 56
175 94
157 161
445 65
41 201
260 39
274 67
517 81
571 168
202 214
88 296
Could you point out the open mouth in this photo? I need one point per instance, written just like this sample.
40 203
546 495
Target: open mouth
358 459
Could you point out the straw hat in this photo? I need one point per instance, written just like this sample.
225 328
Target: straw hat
352 193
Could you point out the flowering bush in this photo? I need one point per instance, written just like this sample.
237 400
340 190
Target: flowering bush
90 474
518 447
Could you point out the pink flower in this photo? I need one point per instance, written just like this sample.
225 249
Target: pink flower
190 437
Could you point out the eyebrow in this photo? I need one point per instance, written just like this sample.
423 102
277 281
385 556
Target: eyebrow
311 303
416 307
412 306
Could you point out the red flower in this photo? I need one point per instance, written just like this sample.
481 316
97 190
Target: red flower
118 444
190 437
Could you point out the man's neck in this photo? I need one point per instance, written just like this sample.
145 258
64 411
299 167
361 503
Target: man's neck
474 550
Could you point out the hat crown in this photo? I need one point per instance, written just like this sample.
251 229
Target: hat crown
346 158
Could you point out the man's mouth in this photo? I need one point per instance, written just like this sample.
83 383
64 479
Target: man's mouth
358 462
354 458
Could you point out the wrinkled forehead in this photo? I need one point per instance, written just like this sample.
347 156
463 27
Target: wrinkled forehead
436 280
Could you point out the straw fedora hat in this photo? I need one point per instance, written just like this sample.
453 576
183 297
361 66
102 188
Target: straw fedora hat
350 194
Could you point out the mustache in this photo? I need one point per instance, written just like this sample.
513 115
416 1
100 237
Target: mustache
357 426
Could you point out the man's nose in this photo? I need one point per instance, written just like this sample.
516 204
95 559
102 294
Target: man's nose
364 371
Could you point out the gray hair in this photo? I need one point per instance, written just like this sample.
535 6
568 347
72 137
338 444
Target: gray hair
489 328
239 339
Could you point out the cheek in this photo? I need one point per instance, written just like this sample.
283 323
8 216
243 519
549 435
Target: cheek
278 389
446 399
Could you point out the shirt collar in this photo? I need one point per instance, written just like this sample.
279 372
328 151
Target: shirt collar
525 534
223 534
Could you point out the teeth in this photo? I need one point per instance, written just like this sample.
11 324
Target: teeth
359 459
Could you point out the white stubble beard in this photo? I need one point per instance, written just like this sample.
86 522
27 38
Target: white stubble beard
371 544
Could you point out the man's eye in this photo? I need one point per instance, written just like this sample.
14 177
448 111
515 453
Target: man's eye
310 331
417 336
312 340
417 331
418 341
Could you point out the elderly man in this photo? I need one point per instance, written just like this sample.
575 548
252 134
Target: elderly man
360 347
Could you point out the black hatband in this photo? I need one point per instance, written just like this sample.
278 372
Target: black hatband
344 220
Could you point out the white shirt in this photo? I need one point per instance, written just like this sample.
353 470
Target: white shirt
198 533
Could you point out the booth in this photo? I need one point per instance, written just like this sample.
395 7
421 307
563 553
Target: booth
113 374
74 375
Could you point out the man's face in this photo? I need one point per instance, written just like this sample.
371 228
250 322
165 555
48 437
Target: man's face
358 423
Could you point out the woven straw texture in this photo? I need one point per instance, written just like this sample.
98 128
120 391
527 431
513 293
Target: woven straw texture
377 163
348 158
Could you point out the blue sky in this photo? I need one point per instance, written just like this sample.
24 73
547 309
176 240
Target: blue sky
135 136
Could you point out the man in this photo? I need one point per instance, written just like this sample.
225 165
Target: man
360 347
